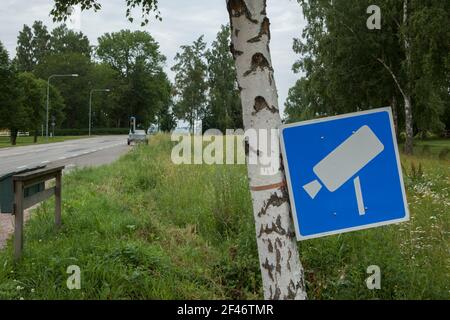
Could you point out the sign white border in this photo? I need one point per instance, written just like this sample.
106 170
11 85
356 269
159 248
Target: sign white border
300 237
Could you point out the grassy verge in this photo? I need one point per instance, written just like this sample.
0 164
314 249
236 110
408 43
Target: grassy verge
439 148
25 141
143 228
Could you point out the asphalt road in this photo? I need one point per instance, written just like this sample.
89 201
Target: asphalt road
74 153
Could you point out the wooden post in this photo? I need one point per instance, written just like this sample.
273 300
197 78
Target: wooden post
18 226
58 199
24 181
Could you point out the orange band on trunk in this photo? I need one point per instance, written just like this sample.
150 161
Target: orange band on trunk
269 187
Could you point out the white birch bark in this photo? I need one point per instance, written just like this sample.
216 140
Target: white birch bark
406 95
282 272
395 113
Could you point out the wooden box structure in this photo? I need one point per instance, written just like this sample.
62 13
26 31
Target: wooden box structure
29 190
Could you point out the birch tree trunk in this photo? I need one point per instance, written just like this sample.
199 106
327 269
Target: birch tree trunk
282 272
408 125
406 95
395 113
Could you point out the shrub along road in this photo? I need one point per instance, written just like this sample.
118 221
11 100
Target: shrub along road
144 228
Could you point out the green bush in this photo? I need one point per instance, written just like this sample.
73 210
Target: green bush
94 131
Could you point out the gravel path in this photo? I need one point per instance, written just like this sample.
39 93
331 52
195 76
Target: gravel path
7 226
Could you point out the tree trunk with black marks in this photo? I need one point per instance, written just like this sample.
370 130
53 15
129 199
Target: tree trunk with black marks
282 272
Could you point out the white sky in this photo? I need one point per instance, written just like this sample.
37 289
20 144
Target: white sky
183 22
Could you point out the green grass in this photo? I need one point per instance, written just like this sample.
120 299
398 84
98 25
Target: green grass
433 148
143 228
25 141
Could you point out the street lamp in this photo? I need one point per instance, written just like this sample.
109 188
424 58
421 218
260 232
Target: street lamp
74 75
90 105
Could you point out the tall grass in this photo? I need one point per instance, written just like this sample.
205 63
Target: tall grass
144 228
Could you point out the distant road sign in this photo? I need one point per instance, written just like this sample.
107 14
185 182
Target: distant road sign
355 157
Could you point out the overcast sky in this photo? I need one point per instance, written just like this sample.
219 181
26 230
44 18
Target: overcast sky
183 22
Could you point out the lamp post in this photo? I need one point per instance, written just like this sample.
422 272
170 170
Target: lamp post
74 75
90 105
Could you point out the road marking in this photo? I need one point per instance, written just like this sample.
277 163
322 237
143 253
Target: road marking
62 158
46 161
21 167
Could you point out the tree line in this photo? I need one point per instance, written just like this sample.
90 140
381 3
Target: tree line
205 84
348 67
129 64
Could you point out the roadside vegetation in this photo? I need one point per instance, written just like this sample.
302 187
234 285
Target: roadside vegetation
144 228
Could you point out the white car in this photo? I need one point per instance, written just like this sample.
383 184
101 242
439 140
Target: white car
137 136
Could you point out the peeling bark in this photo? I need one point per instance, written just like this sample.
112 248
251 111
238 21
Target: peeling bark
269 267
274 200
261 104
259 63
235 52
237 8
265 30
282 272
270 246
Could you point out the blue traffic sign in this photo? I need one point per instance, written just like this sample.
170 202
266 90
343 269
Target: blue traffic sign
344 173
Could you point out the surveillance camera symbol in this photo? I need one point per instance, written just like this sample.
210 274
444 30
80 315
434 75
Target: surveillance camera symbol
345 162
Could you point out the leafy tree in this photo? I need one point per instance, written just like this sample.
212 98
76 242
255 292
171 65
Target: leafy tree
126 51
33 45
166 120
337 62
75 91
136 57
161 97
34 100
400 62
428 33
105 106
14 113
25 57
224 110
301 104
64 40
190 82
